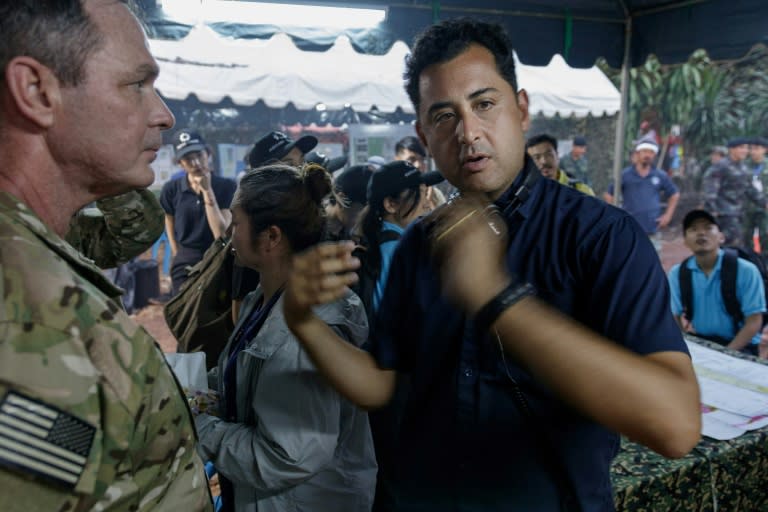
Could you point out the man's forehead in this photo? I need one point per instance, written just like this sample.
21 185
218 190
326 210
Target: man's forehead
474 68
702 221
542 147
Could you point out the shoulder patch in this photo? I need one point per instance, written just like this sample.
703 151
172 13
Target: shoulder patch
43 441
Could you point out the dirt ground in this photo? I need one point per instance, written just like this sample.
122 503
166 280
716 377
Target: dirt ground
151 317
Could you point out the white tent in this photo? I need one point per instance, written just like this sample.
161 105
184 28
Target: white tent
277 72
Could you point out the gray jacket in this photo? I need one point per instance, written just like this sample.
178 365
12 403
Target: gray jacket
297 445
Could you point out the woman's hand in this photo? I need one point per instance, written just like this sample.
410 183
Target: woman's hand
320 275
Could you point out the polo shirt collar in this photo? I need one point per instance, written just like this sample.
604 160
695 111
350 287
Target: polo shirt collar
694 265
185 183
525 210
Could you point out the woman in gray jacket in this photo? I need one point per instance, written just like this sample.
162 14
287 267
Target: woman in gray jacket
285 440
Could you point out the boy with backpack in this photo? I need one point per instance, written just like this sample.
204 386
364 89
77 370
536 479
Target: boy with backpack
718 293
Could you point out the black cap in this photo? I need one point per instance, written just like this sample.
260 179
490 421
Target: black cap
694 215
353 182
579 141
394 177
187 141
738 141
330 164
274 146
759 141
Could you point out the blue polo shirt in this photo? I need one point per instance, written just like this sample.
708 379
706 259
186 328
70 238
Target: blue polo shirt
710 318
190 228
464 444
641 195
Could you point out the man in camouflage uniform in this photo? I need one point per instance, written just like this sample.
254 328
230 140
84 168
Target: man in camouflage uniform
756 218
91 417
726 185
118 229
575 163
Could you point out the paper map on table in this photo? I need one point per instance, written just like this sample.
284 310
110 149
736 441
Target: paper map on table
734 392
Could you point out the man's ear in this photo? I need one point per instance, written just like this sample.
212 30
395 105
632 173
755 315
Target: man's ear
522 104
34 90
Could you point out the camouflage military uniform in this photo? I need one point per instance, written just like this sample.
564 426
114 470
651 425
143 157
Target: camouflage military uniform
122 438
121 228
755 217
575 168
726 185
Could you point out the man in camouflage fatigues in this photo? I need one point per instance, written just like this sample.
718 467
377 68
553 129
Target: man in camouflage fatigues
575 163
118 229
727 185
754 217
91 417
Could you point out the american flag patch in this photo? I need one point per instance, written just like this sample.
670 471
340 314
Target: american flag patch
41 440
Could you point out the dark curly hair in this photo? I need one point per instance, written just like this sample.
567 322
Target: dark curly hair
540 139
446 40
287 197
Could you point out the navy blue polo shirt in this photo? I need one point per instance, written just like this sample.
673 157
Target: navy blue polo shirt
641 195
463 443
190 228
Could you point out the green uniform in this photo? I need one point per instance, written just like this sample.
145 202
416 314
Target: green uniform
728 188
578 169
91 417
755 217
120 228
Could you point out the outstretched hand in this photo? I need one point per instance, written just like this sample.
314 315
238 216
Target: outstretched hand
468 238
319 275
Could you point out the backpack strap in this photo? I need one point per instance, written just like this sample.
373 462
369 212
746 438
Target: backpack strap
728 271
686 289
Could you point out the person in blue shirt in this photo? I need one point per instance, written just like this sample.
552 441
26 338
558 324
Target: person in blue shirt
703 237
642 185
532 338
396 197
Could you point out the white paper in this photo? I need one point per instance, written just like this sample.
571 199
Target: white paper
734 391
717 429
190 370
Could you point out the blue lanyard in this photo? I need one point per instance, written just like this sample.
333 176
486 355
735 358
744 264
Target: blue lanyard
248 330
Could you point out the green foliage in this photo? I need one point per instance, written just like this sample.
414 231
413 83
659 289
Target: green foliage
711 101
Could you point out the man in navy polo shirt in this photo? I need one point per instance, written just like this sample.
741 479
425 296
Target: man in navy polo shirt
515 401
196 205
641 187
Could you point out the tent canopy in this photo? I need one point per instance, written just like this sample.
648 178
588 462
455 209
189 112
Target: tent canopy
580 30
277 72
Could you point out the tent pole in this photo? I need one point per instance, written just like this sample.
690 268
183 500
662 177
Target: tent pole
618 150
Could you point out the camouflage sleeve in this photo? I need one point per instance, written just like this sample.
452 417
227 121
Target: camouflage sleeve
755 196
710 187
140 454
121 228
